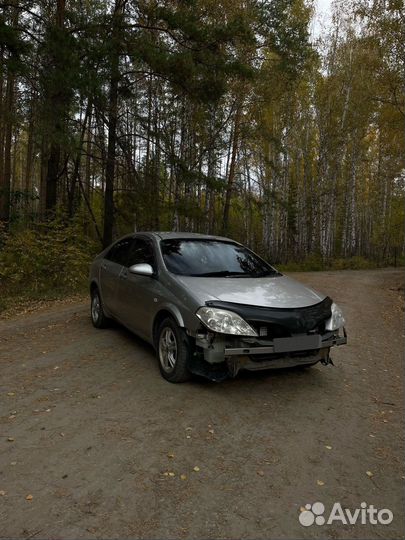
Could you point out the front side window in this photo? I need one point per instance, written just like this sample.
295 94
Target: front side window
141 251
212 258
119 251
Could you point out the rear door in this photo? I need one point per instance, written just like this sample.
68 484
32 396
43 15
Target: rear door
112 266
136 294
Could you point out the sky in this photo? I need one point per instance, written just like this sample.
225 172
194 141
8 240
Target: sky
322 17
323 5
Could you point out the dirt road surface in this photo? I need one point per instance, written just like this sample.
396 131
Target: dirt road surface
95 444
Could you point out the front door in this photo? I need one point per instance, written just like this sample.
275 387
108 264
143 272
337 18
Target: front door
136 293
112 266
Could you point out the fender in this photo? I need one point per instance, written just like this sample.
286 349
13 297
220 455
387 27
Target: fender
174 310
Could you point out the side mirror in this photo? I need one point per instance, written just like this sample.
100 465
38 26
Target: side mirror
142 269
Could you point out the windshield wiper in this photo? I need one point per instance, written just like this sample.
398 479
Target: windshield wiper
221 273
267 273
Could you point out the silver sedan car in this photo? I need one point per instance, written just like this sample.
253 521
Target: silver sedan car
211 306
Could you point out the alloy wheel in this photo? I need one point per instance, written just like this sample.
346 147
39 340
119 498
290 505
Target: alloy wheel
167 349
95 307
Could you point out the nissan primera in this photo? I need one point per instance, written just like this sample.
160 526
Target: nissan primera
211 306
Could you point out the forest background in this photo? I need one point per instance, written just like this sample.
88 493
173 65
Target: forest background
223 117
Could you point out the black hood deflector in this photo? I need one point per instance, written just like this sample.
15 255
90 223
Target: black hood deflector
296 320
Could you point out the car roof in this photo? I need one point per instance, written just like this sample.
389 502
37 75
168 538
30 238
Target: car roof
168 235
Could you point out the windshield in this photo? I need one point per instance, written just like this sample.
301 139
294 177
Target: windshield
211 258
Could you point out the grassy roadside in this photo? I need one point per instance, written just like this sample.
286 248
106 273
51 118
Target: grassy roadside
317 264
48 263
29 301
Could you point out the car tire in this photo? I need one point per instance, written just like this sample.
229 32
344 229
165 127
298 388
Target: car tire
173 349
98 317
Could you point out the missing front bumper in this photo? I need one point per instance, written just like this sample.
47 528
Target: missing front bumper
221 355
237 363
230 367
289 345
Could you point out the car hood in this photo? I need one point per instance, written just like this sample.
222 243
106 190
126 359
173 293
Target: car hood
278 292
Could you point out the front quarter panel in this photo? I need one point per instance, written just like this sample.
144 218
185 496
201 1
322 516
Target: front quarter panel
179 302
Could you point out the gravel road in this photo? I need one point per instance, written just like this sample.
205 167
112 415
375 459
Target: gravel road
95 444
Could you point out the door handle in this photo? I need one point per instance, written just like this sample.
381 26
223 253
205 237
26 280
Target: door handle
124 275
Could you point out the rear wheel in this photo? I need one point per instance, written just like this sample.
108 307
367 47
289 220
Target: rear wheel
173 351
98 317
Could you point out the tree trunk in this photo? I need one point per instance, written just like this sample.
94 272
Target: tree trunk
29 163
56 105
2 113
72 199
7 133
232 169
112 127
5 180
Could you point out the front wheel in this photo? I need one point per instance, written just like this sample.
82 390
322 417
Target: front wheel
173 351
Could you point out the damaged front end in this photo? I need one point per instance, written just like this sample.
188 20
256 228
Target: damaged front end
285 337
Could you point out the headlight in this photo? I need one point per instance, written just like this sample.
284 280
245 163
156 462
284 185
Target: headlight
226 322
337 320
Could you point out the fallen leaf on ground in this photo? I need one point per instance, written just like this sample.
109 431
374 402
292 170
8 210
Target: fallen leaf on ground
328 447
10 439
172 474
170 455
260 473
183 477
29 497
211 431
10 394
196 469
369 473
2 493
320 482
